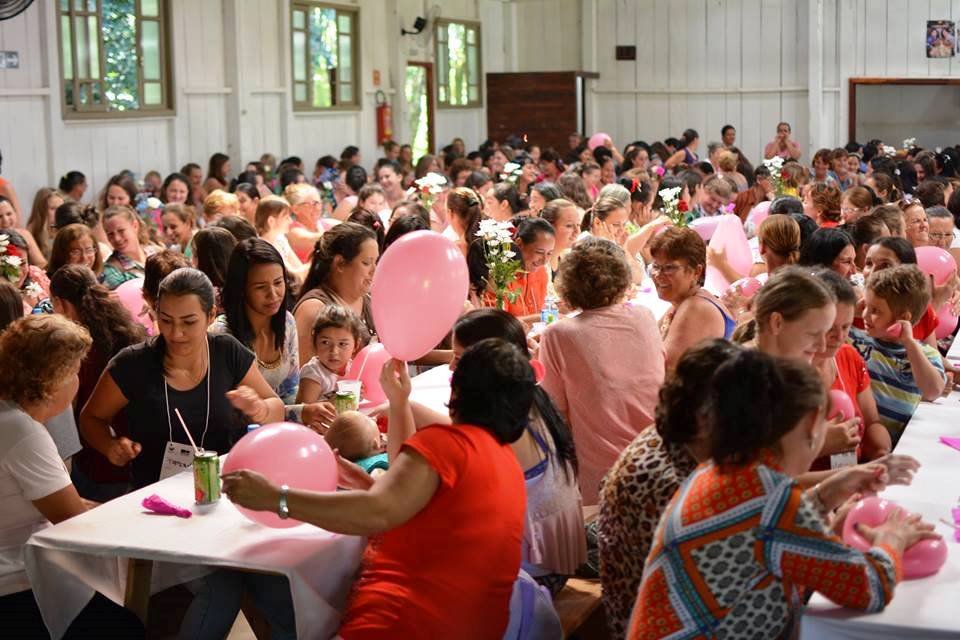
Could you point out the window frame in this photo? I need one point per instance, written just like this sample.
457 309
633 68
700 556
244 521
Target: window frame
441 64
96 112
300 106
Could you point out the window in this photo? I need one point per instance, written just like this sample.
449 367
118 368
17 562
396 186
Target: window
113 56
325 66
458 64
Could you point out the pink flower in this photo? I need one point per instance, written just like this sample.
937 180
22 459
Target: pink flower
659 171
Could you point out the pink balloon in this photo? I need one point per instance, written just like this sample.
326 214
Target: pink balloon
730 237
936 262
287 454
842 405
598 140
706 226
895 330
923 559
327 223
366 367
759 213
130 294
418 293
946 322
748 286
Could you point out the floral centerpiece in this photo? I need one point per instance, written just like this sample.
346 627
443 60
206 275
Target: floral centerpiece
673 207
909 143
512 172
775 166
427 188
500 258
10 262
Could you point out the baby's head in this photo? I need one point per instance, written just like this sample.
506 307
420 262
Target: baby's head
354 435
336 337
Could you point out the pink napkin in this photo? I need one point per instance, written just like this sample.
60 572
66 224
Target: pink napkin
160 506
951 442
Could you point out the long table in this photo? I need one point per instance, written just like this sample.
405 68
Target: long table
925 608
127 553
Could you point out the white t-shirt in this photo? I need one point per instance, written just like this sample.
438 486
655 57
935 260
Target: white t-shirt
955 243
315 371
30 469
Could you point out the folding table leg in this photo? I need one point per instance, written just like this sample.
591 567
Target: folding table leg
137 597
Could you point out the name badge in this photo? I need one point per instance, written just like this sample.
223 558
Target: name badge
841 460
177 458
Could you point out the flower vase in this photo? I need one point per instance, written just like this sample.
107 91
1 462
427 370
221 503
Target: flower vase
501 301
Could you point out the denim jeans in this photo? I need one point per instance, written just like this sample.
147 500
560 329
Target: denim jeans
217 603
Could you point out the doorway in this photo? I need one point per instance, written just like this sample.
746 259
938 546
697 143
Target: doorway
418 92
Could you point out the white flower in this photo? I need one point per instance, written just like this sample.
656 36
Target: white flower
670 194
411 192
505 259
33 289
510 254
773 164
889 151
909 143
154 203
510 167
13 261
432 182
328 186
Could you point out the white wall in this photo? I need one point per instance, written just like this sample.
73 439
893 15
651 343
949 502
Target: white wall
231 62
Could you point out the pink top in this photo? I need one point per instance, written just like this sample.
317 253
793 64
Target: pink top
604 369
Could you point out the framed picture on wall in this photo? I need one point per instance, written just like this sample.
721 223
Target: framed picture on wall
941 39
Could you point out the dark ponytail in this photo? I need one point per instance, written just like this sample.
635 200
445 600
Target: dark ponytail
481 324
107 320
754 400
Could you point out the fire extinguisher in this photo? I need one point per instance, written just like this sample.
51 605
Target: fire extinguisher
384 119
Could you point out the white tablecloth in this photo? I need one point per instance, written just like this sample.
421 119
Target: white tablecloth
926 608
67 562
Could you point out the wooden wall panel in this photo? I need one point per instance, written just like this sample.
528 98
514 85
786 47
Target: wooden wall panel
541 105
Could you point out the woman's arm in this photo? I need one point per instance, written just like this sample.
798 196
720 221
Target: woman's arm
396 385
60 505
693 322
424 416
309 391
105 402
674 159
396 497
256 399
305 315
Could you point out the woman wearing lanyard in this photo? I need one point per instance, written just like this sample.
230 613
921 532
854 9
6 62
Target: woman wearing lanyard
213 381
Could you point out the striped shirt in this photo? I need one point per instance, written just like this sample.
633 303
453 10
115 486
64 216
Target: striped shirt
891 378
734 553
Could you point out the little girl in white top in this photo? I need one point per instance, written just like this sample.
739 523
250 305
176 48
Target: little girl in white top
336 339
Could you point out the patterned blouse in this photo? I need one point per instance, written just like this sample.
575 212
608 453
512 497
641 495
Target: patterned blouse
735 551
119 268
285 377
634 493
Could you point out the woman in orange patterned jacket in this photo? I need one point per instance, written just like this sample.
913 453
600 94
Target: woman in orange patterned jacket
740 542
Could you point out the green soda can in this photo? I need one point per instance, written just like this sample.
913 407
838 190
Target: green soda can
345 401
206 477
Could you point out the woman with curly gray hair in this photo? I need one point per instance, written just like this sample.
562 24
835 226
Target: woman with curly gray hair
603 367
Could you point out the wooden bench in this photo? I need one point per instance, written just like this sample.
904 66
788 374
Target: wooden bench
578 605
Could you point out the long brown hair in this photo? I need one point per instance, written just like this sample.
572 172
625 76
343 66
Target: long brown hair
60 254
105 317
39 223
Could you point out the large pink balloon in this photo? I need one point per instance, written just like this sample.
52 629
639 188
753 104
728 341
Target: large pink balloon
759 213
418 293
366 367
706 226
730 237
842 405
130 294
923 559
946 321
287 454
598 140
327 223
936 262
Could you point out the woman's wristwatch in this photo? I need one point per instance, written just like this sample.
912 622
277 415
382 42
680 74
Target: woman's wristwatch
282 509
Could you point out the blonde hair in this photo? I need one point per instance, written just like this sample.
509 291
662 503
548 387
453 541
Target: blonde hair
127 212
791 292
727 161
348 437
720 187
781 235
218 200
39 223
300 192
269 207
29 379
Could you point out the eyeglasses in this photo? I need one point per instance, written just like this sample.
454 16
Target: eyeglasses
666 269
940 236
82 253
